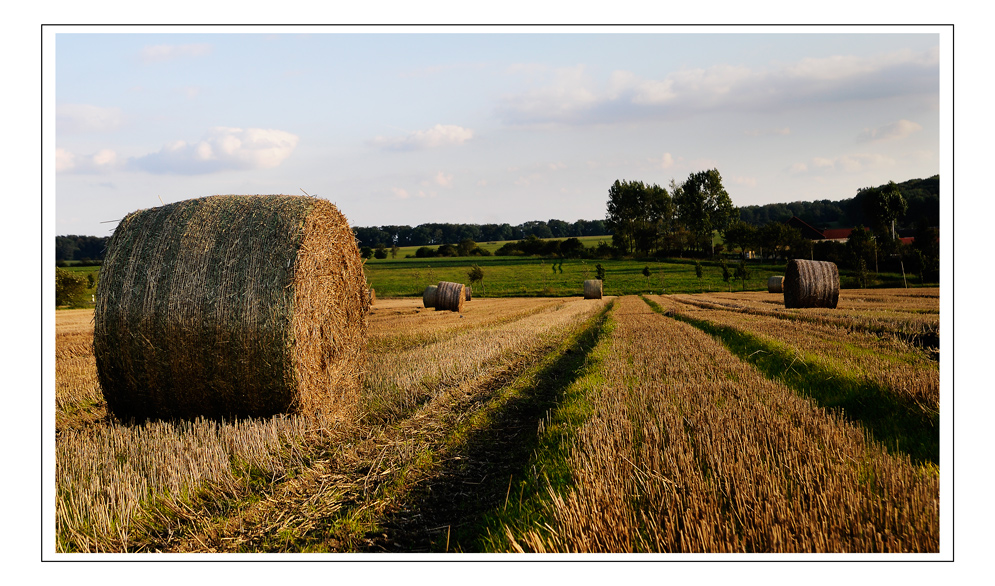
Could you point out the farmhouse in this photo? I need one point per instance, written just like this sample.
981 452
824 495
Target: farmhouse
840 235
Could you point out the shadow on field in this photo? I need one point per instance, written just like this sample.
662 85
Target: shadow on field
446 512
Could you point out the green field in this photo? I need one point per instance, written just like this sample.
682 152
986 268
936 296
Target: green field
507 276
517 276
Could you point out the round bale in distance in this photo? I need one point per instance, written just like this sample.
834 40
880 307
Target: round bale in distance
450 296
592 289
774 284
469 293
811 283
231 306
428 296
373 295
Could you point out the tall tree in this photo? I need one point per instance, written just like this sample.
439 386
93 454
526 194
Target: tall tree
637 216
703 205
884 206
740 235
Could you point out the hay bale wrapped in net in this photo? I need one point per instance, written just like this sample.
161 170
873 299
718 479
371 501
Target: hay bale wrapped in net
450 296
230 306
469 293
774 284
428 296
811 283
592 289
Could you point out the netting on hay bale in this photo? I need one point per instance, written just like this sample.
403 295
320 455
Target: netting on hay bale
229 306
450 296
811 283
592 289
774 284
428 296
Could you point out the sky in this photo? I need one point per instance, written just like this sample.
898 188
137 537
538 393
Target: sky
482 125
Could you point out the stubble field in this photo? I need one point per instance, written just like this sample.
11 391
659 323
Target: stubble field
679 423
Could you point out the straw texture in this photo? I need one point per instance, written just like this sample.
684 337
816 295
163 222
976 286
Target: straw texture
231 306
450 296
592 289
811 283
428 296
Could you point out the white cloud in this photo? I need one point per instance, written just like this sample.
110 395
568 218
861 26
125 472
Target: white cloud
570 95
768 131
443 179
75 118
667 161
221 149
437 136
160 53
103 161
746 181
64 160
846 164
401 193
894 131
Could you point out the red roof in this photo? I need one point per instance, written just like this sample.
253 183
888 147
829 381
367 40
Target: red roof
836 233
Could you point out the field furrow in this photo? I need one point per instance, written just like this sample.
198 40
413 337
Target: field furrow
130 487
690 449
909 315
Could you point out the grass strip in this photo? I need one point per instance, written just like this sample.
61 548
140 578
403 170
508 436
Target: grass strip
495 468
548 471
898 425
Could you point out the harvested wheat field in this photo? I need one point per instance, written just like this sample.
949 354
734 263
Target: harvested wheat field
669 424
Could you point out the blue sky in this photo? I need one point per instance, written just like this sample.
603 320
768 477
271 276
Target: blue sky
410 125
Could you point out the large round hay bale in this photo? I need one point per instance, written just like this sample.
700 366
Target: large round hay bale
231 306
428 296
469 292
592 289
774 284
450 296
811 283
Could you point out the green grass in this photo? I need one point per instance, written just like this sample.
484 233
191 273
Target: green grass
509 276
560 391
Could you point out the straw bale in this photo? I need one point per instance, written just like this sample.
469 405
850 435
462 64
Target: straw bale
469 293
450 296
592 289
811 283
373 295
774 284
231 306
428 296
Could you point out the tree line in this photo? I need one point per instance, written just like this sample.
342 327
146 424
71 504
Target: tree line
80 248
921 195
650 220
437 234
